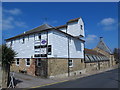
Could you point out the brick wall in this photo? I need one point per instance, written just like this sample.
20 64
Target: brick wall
22 67
93 66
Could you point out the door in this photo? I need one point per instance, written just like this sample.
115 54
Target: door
41 67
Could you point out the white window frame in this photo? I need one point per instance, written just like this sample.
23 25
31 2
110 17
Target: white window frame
26 62
72 62
17 61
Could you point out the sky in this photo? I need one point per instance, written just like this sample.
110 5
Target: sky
100 18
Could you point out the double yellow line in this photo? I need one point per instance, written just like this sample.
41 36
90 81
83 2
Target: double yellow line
49 84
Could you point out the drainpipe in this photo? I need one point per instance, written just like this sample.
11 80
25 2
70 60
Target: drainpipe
68 53
84 55
98 62
47 57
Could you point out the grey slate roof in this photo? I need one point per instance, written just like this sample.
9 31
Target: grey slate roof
37 29
43 27
101 45
40 28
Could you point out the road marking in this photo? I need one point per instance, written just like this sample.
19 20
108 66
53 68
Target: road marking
49 84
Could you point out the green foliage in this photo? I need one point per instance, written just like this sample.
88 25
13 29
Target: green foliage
7 55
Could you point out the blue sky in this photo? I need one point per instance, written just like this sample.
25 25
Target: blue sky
100 18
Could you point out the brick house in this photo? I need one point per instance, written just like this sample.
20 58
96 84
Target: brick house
49 51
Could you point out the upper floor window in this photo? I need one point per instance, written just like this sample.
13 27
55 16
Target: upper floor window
23 40
28 37
11 43
39 36
81 27
49 49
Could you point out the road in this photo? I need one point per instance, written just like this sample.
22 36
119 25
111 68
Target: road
108 79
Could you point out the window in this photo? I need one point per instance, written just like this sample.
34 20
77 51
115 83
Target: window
49 49
81 27
28 37
27 62
86 58
38 62
39 37
37 55
82 60
23 40
11 43
17 61
70 63
36 47
43 55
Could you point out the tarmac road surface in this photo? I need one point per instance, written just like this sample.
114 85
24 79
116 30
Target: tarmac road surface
108 79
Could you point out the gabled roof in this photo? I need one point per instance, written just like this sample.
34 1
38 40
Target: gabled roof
37 29
74 20
44 27
101 45
92 52
40 28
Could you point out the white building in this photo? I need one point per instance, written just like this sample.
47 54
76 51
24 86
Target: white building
49 43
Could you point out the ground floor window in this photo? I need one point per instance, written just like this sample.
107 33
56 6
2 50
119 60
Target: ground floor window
27 62
17 61
70 63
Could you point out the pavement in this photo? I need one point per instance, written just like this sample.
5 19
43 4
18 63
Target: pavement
27 81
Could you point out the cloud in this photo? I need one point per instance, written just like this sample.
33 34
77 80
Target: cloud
91 39
14 11
11 22
107 21
108 24
20 24
8 23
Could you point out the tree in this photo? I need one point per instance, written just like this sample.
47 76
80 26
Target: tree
116 53
7 59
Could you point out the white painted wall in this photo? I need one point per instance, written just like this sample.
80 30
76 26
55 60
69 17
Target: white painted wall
76 48
58 40
74 28
60 46
63 29
27 50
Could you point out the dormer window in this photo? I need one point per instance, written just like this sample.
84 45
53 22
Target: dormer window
81 27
